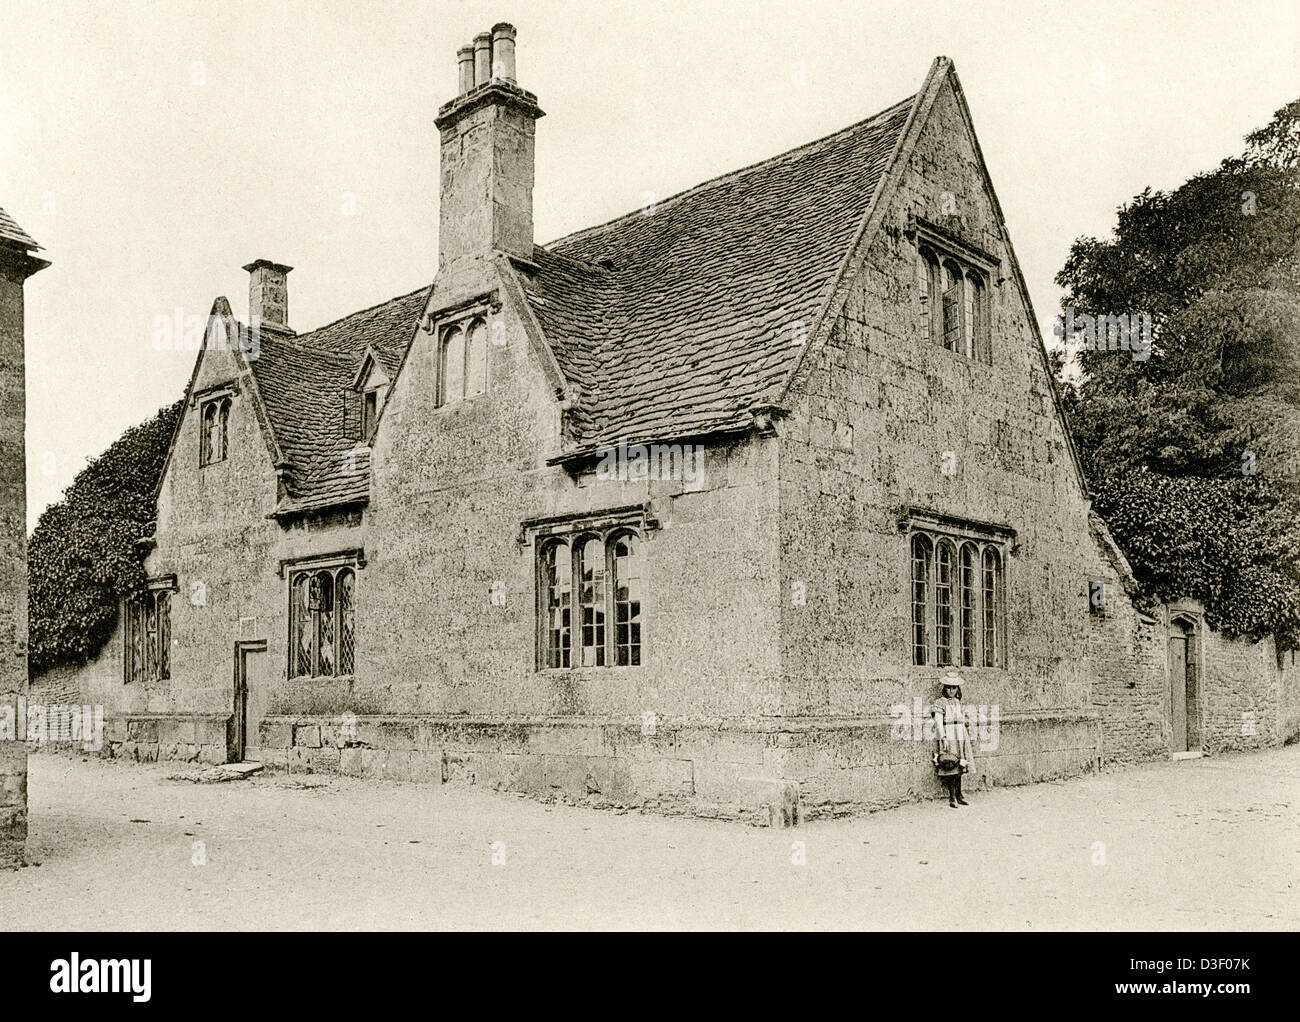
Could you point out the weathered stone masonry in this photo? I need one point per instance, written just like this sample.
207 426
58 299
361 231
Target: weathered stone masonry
773 318
17 263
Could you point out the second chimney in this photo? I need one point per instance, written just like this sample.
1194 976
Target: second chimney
268 295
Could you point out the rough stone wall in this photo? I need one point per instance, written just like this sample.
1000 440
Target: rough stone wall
59 685
1290 697
148 737
1244 699
450 488
1240 694
13 488
13 802
874 413
13 560
722 769
1130 682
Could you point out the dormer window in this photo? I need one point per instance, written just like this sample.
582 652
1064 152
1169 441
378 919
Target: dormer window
214 422
364 400
370 411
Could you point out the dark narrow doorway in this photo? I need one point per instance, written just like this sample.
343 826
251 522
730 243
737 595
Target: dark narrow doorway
1185 735
250 695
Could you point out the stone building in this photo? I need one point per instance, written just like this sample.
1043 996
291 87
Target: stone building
17 262
690 509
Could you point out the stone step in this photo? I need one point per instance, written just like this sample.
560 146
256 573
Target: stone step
229 772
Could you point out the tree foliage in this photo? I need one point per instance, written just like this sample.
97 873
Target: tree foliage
1192 453
82 557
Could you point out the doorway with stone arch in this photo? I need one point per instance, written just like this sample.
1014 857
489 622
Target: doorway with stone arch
1184 675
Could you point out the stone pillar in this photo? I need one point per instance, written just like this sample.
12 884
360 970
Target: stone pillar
13 802
17 263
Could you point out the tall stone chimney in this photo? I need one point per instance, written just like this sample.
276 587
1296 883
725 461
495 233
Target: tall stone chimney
268 295
486 182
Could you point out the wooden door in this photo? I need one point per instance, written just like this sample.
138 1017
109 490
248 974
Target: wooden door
250 696
1178 690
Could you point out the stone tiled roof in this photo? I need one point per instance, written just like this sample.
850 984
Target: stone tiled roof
302 379
668 324
12 234
676 321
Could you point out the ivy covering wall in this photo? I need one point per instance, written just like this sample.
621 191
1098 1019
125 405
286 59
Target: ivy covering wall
82 557
1191 451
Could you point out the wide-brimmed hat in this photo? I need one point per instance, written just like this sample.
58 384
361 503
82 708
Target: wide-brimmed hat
951 680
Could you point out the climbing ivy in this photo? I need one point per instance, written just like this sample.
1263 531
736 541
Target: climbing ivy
82 558
1190 451
1230 543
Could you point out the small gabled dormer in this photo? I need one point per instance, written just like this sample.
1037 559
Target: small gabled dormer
365 400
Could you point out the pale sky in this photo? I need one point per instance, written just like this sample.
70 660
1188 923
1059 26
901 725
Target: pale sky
155 148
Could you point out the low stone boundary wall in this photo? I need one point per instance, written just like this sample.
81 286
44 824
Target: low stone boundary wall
848 767
705 770
762 771
765 771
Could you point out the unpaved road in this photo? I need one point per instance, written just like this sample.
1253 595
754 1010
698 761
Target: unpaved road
1202 844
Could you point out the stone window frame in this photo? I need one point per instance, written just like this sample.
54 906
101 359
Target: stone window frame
151 665
370 406
300 575
364 402
218 406
564 648
948 266
457 335
973 631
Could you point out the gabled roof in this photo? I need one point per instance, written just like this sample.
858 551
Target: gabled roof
12 234
671 324
18 248
664 324
296 391
677 321
302 378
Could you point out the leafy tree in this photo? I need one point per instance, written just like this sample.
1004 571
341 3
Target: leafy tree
82 558
1192 452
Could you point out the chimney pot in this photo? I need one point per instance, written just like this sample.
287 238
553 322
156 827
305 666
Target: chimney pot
482 58
268 294
465 67
503 51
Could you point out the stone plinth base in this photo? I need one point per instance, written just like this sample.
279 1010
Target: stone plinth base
13 803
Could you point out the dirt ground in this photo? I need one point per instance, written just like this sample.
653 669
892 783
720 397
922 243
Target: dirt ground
1200 844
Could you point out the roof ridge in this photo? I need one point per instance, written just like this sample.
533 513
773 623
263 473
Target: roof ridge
586 264
729 175
293 341
369 308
